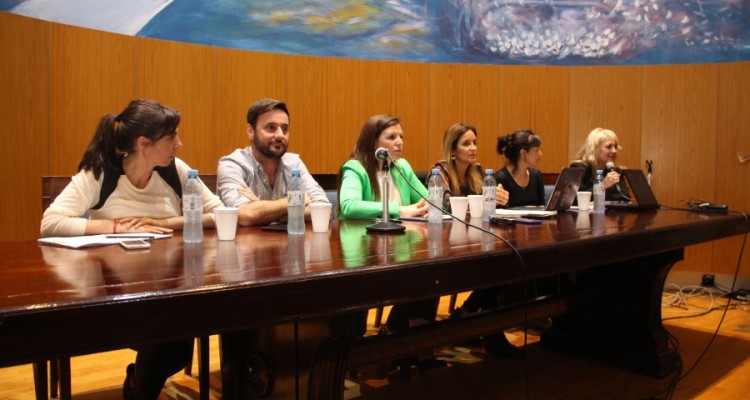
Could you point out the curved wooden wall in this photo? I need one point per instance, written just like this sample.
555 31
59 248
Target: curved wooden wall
58 80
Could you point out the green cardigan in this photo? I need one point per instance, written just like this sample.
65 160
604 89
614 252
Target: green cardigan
356 198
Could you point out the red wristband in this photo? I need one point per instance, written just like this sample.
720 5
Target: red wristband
114 228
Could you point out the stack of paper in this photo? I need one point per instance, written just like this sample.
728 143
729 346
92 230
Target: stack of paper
77 242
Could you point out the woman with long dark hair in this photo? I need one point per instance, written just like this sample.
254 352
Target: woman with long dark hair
129 180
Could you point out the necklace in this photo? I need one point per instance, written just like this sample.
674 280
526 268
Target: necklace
523 179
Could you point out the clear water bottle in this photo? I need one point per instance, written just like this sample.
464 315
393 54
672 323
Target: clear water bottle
296 205
489 187
192 208
599 192
436 189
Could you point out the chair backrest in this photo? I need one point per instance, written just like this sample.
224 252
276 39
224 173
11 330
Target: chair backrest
549 180
209 180
52 186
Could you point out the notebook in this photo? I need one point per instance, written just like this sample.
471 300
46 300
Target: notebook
560 200
643 196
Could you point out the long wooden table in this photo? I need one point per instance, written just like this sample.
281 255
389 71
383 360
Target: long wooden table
62 302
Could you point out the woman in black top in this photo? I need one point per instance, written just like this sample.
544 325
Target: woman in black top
520 176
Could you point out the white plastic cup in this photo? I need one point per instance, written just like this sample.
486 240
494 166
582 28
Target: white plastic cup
584 200
459 206
476 205
320 213
226 222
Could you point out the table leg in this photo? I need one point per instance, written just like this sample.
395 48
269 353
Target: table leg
624 323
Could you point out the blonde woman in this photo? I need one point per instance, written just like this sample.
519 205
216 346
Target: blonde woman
600 148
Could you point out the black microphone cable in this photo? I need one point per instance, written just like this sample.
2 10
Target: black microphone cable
515 251
673 385
726 308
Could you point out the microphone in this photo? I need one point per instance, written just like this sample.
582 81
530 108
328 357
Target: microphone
610 167
381 153
385 225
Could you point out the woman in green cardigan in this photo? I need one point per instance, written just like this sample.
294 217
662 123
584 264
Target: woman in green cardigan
359 198
359 190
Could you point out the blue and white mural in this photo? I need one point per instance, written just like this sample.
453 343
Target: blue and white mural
554 32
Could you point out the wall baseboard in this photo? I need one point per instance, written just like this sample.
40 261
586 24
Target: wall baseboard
692 278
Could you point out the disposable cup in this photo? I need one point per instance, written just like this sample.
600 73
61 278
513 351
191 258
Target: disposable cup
476 204
320 213
459 206
584 198
226 222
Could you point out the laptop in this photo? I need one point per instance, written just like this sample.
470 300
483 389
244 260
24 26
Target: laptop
560 199
642 196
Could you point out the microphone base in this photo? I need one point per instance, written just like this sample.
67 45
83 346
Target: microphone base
385 227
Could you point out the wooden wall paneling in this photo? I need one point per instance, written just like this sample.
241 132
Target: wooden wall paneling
607 97
679 111
400 89
24 45
679 129
241 78
91 74
732 177
323 96
181 76
464 93
537 98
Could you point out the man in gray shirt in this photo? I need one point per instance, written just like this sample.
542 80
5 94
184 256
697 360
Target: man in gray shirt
255 178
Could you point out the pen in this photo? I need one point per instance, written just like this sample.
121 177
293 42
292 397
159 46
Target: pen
128 237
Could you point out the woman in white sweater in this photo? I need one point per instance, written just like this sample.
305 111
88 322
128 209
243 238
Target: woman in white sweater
129 180
136 151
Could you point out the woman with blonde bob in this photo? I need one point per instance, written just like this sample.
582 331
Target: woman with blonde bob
600 148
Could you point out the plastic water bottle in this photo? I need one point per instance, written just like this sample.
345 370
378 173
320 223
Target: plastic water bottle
436 189
296 205
599 192
489 187
192 209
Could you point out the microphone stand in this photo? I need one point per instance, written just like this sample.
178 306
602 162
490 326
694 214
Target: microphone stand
385 226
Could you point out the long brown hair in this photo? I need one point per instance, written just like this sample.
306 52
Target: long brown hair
364 150
116 134
450 141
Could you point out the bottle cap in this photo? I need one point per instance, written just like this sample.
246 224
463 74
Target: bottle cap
435 171
488 171
193 173
599 172
295 172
